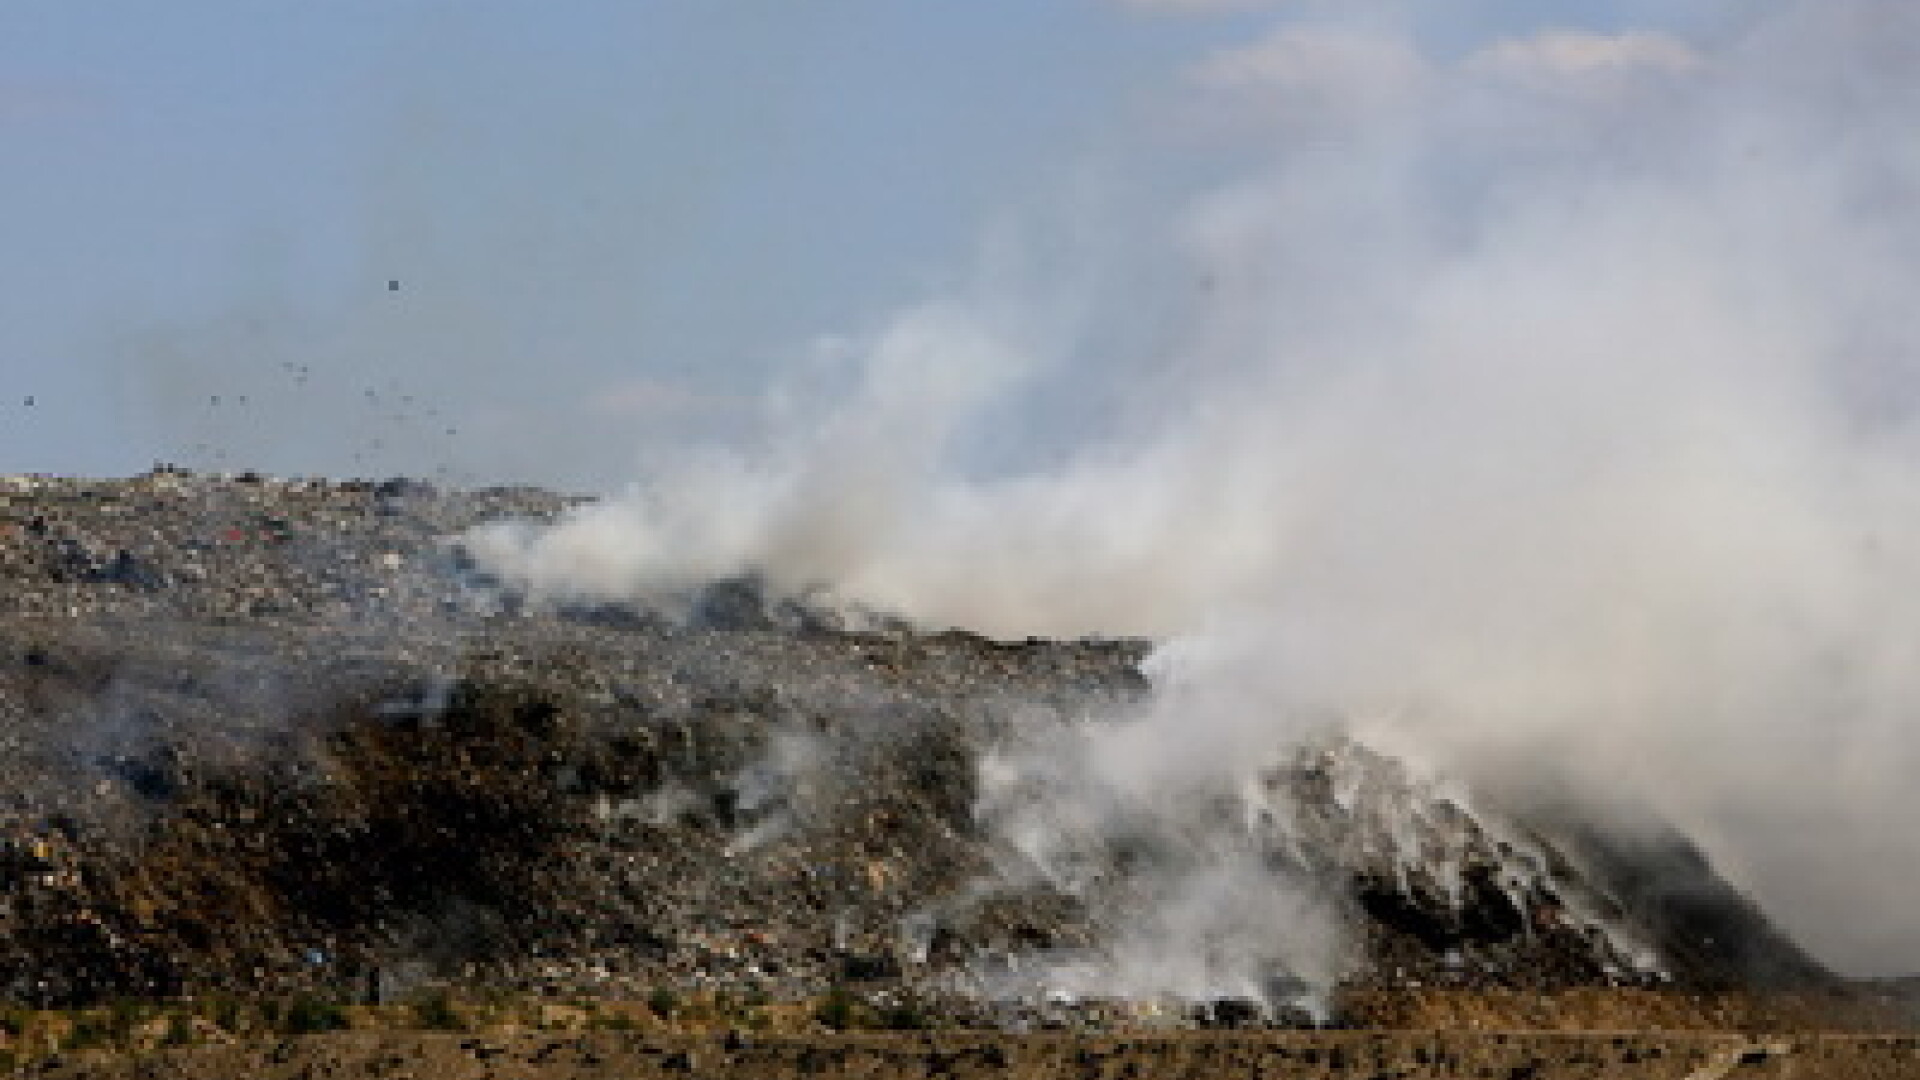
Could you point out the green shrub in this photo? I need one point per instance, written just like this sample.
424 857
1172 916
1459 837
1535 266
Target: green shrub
13 1020
310 1016
840 1010
179 1031
905 1017
123 1017
227 1013
89 1032
435 1012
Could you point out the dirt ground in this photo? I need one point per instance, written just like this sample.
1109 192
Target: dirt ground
1402 1055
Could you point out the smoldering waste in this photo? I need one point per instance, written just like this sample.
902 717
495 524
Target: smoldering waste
274 736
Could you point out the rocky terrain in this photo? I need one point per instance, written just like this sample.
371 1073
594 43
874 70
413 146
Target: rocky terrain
278 737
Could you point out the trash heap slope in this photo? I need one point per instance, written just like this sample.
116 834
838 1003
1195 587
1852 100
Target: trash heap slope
270 736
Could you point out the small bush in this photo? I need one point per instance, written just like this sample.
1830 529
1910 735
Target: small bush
227 1014
179 1031
13 1020
905 1017
436 1012
840 1010
311 1016
664 1003
123 1016
88 1033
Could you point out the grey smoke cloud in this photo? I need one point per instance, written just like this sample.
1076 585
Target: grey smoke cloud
1547 412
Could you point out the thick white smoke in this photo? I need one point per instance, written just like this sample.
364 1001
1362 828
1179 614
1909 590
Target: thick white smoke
1547 407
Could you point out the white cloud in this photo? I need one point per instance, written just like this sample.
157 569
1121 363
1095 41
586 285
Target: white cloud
1318 67
1362 77
1577 58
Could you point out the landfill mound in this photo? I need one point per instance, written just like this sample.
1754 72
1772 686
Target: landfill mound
269 737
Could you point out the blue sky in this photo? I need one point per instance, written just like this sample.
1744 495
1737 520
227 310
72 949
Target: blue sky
610 221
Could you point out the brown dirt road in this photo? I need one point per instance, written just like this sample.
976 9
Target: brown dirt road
957 1056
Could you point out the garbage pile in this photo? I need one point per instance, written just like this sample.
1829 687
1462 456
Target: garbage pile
265 736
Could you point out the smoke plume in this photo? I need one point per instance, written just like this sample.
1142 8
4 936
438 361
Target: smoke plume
1544 408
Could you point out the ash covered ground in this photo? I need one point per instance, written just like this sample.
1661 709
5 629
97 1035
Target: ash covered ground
270 737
